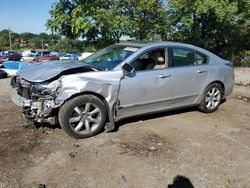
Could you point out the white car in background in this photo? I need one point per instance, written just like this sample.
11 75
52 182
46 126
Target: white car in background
28 52
65 57
84 55
69 57
29 55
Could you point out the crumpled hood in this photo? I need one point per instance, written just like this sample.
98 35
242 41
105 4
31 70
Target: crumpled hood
41 72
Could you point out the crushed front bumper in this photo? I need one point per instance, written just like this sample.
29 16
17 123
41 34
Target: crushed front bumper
39 111
20 101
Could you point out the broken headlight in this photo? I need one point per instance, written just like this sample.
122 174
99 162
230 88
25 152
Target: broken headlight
45 89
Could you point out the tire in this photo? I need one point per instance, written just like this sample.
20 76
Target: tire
3 74
211 98
83 116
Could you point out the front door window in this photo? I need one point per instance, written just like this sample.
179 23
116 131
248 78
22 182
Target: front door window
153 59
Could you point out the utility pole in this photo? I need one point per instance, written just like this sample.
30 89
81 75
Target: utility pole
42 48
10 38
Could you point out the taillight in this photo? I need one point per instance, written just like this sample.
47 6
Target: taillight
229 64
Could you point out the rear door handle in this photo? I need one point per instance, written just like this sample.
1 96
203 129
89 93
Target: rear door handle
201 71
164 75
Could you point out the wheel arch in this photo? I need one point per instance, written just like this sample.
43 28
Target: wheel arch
102 98
218 82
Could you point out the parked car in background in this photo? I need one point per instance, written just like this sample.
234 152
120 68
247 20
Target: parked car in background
28 52
85 55
12 67
9 56
47 58
43 56
121 81
29 57
69 57
42 53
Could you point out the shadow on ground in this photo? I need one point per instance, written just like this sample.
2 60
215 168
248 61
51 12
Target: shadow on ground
181 182
144 117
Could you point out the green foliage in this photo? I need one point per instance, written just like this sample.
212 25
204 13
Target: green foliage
221 26
60 21
69 46
242 60
34 40
35 43
102 21
27 36
147 19
4 39
43 36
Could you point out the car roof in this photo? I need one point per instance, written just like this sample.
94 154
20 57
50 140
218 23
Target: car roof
165 43
154 43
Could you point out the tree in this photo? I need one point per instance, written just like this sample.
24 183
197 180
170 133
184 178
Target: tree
35 43
27 36
44 36
220 26
34 40
60 21
146 19
68 45
4 39
109 20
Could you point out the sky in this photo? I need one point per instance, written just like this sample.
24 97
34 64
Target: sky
25 15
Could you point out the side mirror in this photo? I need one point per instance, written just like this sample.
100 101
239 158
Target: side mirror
128 69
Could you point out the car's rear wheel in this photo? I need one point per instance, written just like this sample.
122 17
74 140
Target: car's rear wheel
83 116
211 98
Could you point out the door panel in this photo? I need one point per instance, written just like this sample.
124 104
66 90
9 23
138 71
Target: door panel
189 74
147 91
188 83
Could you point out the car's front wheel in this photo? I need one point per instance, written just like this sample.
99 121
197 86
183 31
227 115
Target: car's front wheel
83 116
211 98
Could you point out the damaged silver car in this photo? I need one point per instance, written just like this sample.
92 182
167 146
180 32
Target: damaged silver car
120 81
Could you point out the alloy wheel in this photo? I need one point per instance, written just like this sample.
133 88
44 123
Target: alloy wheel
213 98
85 118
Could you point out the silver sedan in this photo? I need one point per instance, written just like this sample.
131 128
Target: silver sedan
121 81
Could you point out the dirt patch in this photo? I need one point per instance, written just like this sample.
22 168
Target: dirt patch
16 147
149 145
210 150
243 98
242 76
242 84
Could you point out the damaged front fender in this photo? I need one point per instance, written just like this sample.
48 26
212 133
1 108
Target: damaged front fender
103 83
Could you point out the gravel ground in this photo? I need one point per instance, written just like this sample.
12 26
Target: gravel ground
184 148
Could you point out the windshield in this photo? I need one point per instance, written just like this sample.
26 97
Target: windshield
108 58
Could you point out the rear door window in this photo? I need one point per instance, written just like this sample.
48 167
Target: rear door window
187 57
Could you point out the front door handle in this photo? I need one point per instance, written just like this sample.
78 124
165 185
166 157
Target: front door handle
201 71
164 75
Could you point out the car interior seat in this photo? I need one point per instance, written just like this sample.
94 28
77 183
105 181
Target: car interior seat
190 59
156 61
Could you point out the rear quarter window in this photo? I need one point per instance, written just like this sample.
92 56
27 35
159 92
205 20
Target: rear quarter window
200 58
